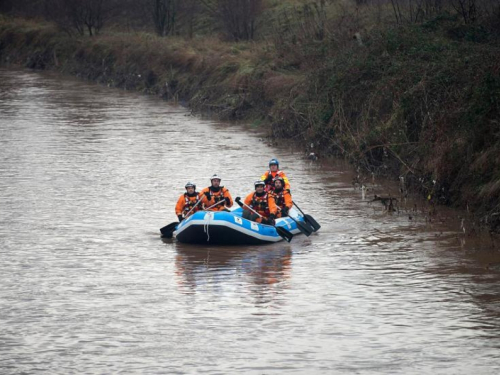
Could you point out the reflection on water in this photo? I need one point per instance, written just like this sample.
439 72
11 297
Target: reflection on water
88 175
266 269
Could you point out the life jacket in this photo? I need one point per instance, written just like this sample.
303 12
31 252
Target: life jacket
282 199
260 204
217 196
190 202
270 186
279 198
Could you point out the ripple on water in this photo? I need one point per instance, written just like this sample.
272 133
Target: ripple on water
89 174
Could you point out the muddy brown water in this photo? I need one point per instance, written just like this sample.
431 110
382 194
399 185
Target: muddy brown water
89 174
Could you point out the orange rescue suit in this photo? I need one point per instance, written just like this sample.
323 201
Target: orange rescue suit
264 205
216 196
283 199
270 184
185 203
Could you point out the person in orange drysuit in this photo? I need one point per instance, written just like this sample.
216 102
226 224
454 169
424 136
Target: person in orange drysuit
216 193
187 201
282 197
262 202
272 173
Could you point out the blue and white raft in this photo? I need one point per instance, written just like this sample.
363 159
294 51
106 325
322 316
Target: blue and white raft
230 228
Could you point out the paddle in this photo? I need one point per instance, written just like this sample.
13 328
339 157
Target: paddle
303 227
212 206
191 210
309 219
282 232
168 230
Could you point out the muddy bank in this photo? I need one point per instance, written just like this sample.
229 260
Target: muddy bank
419 104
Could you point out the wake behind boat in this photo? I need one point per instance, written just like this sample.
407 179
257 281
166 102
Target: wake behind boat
230 228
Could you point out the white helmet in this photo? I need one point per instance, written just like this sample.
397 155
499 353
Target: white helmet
259 183
215 177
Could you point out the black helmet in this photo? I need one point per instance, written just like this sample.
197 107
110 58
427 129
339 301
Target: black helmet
190 184
259 183
278 178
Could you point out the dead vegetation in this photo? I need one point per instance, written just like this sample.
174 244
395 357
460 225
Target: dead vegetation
403 89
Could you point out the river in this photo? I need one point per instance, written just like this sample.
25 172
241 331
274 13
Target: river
89 174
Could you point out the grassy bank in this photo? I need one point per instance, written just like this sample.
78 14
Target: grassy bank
421 102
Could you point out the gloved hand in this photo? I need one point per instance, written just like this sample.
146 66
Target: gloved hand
238 200
228 202
180 218
271 220
268 179
284 211
207 194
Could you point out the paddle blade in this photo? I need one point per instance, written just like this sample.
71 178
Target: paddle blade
168 230
313 223
283 233
303 227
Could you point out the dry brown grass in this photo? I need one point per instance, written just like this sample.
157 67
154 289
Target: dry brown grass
279 85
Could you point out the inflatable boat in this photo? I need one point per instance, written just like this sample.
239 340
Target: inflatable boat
230 228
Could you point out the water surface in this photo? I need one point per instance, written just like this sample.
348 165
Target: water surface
88 175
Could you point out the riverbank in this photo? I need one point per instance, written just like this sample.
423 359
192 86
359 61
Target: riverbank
419 103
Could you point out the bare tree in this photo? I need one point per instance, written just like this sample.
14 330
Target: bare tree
66 14
6 6
164 14
95 13
80 15
188 12
236 16
467 9
25 8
